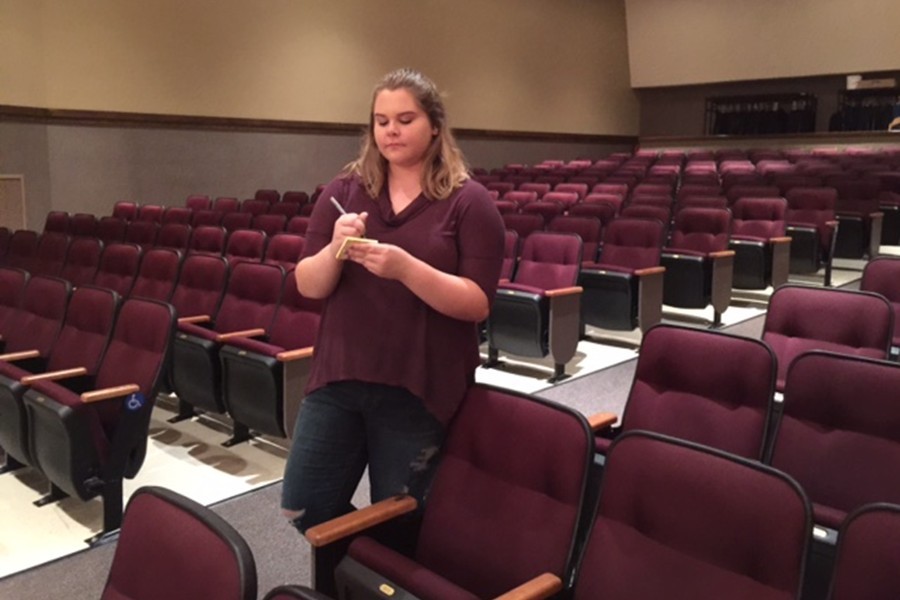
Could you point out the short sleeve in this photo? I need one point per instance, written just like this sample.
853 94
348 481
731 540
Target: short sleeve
321 221
480 236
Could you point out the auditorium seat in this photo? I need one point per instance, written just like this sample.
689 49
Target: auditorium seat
206 217
224 204
523 224
157 275
176 236
75 355
882 276
118 267
762 250
838 436
236 220
22 249
287 208
510 255
51 252
247 310
263 382
679 520
604 211
31 330
520 198
623 289
57 221
177 214
150 212
127 211
703 386
12 289
284 249
537 313
866 563
254 206
111 229
245 245
859 217
142 233
269 223
589 229
208 239
295 197
82 260
197 202
546 209
699 265
800 319
87 443
267 195
297 224
174 548
495 519
201 285
812 226
83 225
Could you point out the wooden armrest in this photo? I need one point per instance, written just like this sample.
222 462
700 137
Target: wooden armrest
831 223
358 520
780 240
721 254
195 319
542 586
111 392
53 375
504 280
20 355
296 354
224 337
602 420
567 291
649 271
876 214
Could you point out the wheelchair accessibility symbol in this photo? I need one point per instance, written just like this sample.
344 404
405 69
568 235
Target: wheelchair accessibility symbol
134 402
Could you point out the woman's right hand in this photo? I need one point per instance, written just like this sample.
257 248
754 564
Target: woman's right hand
349 225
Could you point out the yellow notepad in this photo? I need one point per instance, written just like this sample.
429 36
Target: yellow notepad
349 241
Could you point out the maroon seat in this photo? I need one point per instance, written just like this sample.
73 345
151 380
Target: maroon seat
86 444
236 220
208 239
465 548
800 319
127 211
269 223
762 248
82 260
699 265
197 202
882 276
716 389
660 529
57 221
247 310
142 233
51 253
520 198
157 275
111 229
150 212
177 214
75 355
83 225
523 224
865 565
589 229
297 224
536 314
118 267
263 381
12 289
538 188
267 195
34 325
287 208
206 217
295 197
22 250
255 207
811 225
245 245
225 204
623 288
176 236
579 189
284 249
172 547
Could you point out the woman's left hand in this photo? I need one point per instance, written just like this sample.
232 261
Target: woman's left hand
384 260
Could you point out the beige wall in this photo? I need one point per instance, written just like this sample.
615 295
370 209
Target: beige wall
520 65
682 42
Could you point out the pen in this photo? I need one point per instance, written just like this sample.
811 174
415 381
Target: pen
338 206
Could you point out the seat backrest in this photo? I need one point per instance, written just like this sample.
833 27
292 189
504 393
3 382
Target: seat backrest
172 547
510 254
37 322
286 208
296 321
882 276
207 239
269 223
677 516
157 275
541 483
125 210
633 243
142 233
22 249
237 220
82 260
198 202
201 285
839 434
736 192
566 199
119 264
225 204
267 195
83 225
285 249
701 230
521 197
549 260
589 229
245 245
801 318
206 217
150 212
581 189
12 290
52 249
295 197
759 217
254 206
111 229
251 298
86 329
866 565
715 389
538 188
177 214
298 224
523 224
176 236
647 211
57 221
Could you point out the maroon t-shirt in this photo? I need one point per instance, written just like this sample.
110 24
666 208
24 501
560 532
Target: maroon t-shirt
376 330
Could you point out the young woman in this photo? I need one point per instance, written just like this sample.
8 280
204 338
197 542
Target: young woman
398 344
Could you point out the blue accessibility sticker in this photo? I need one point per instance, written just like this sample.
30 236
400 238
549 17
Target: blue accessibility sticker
134 402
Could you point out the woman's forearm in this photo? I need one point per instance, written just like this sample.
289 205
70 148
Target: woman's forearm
451 295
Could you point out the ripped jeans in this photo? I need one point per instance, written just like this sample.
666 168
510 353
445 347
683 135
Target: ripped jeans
340 429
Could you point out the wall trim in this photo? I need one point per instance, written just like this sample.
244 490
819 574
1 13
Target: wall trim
95 118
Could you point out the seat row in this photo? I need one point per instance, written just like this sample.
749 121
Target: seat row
669 516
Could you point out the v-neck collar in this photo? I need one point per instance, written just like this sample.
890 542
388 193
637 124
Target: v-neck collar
386 209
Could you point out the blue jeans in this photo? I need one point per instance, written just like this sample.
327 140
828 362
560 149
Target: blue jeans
340 429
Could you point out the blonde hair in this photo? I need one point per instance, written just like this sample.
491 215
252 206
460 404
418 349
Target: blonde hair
445 167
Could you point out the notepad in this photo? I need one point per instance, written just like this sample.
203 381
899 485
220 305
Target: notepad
349 241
